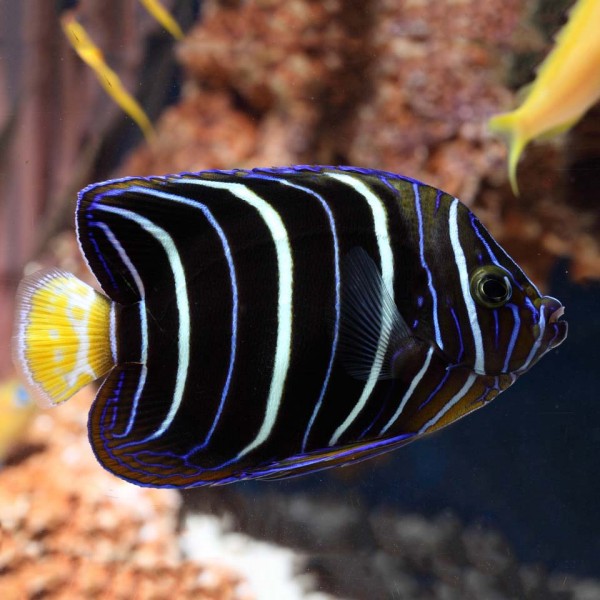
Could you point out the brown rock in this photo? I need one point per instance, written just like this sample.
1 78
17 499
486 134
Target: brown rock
69 529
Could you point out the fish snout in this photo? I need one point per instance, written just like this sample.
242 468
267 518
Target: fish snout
556 329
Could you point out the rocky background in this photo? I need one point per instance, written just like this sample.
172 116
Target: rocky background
400 85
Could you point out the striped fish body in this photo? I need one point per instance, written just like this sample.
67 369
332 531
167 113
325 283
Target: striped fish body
271 322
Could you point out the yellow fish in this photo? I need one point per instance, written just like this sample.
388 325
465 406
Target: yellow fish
17 409
93 57
567 85
160 13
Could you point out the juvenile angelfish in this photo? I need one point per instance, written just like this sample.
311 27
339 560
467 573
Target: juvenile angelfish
273 322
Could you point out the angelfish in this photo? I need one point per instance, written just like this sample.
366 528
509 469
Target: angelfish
273 322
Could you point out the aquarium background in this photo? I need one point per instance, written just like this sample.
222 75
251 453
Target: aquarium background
502 504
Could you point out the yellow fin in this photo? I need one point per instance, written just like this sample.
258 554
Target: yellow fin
508 124
92 56
161 14
63 337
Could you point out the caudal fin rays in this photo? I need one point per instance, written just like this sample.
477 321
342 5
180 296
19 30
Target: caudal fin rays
62 338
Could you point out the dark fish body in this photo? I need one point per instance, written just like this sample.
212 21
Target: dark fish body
271 322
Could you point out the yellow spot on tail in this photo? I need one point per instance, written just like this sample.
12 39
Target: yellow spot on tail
62 335
92 56
566 86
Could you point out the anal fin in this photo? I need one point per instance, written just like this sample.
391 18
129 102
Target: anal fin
303 464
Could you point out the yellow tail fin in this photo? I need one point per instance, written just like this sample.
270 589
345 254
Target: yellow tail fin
64 337
508 124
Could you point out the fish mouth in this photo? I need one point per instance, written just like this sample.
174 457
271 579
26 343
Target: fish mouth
556 329
552 331
556 315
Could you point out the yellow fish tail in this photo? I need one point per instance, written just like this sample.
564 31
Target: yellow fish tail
64 335
161 14
110 81
508 124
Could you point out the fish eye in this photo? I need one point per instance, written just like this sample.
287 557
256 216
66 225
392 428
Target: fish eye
490 286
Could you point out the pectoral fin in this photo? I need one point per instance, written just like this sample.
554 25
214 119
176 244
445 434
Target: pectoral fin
372 330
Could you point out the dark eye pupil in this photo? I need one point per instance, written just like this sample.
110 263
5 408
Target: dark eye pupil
494 289
490 286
